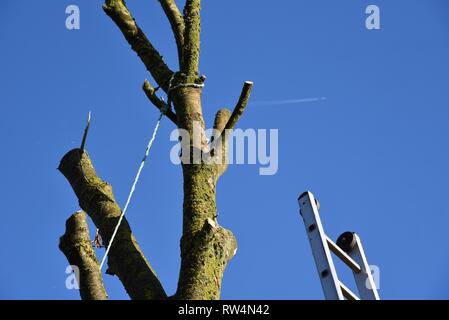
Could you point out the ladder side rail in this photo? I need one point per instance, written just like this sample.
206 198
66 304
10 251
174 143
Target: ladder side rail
320 249
364 280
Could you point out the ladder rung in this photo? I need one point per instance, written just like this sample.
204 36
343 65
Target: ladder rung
347 293
343 256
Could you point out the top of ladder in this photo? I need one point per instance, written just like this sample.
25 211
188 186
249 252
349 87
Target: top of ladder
348 249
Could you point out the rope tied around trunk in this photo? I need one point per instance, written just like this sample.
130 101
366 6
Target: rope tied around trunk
164 110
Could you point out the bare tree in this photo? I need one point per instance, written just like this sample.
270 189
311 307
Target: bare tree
206 247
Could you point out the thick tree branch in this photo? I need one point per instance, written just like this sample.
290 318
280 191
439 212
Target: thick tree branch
119 13
177 24
191 37
150 92
95 196
77 247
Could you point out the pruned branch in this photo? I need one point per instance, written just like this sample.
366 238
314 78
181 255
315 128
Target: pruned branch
125 259
191 37
119 13
76 246
177 24
220 143
222 127
150 92
240 106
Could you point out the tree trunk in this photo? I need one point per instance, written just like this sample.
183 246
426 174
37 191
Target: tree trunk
206 247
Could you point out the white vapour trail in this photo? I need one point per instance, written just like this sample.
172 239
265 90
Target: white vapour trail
291 101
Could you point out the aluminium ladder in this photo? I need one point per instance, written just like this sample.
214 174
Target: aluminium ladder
348 248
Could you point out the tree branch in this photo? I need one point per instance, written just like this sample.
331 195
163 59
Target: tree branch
177 24
77 247
125 259
153 61
219 143
150 92
231 121
191 37
241 105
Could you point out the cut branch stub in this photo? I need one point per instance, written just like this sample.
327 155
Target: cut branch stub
224 121
150 92
241 105
220 143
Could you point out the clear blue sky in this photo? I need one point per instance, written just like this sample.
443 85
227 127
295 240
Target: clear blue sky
375 152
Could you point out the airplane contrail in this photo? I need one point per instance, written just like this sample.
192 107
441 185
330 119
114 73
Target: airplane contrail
291 101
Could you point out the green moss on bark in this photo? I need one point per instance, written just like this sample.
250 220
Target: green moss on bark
192 37
126 259
76 246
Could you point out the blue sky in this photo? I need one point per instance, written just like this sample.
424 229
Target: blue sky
374 152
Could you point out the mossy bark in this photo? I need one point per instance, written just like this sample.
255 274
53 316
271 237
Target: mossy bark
153 61
192 32
206 247
126 259
177 24
77 247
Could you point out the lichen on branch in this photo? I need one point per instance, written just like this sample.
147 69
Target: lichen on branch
126 259
153 61
192 32
76 246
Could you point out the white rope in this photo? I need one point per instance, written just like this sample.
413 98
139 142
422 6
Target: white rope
147 151
136 179
181 85
185 85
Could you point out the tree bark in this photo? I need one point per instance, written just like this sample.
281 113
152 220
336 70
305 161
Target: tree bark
206 247
192 32
177 24
153 61
95 196
77 247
